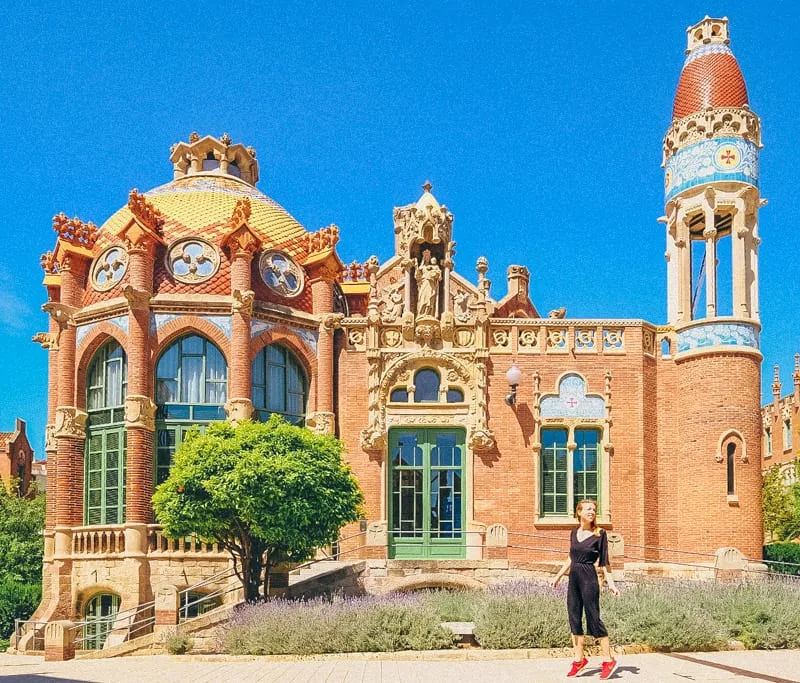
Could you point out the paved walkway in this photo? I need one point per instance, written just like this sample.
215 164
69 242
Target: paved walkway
777 667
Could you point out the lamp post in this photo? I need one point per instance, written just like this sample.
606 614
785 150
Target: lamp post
513 376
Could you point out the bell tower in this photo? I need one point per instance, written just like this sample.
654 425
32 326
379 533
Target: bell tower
711 180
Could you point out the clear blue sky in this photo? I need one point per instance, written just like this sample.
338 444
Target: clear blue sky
539 124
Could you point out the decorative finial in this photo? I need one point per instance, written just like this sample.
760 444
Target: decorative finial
427 187
776 382
194 136
225 139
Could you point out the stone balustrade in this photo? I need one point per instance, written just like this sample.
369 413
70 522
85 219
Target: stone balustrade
98 540
159 544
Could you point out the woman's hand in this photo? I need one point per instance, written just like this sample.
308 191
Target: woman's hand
556 580
614 591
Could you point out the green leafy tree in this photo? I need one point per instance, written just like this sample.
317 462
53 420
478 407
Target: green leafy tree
21 551
780 505
265 492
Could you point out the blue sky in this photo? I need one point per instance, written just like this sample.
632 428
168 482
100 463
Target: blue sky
539 125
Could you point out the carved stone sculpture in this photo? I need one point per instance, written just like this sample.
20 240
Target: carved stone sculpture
48 340
321 422
558 313
137 299
461 303
238 410
243 301
392 302
427 275
140 411
70 423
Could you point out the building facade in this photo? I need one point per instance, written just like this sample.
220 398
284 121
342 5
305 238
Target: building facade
16 458
473 423
779 444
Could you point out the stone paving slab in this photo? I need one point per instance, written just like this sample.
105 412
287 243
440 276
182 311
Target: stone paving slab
777 667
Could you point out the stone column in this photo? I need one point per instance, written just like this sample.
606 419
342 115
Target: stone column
755 241
739 239
240 406
711 270
683 243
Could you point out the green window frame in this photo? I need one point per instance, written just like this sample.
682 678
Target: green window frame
427 493
191 390
279 384
569 475
105 456
101 609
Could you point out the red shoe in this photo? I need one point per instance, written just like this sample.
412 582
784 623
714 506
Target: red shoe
577 667
608 669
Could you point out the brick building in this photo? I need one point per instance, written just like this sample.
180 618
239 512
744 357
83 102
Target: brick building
16 457
469 417
779 445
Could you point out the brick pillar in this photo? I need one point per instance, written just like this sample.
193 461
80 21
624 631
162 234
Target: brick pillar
70 422
59 645
50 441
322 298
239 405
139 405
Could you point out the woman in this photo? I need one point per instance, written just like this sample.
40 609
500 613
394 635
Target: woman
587 544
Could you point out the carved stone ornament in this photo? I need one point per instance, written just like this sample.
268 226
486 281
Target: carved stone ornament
70 423
50 439
192 260
238 410
281 274
427 274
140 411
138 300
464 336
426 331
109 268
48 340
391 337
391 304
243 301
321 422
461 306
448 326
59 312
331 321
558 313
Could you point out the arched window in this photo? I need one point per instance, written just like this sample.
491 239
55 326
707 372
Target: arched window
731 469
105 457
455 396
191 390
279 384
426 386
101 611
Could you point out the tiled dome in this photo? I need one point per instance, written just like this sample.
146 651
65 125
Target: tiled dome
711 76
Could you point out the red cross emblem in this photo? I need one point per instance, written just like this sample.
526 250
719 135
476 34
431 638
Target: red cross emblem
572 402
728 157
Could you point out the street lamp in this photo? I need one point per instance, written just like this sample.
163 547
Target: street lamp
513 376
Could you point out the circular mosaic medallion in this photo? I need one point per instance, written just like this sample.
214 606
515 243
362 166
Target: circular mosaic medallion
667 180
192 260
109 268
727 158
281 274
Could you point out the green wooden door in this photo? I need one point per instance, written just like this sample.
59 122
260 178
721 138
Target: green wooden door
427 503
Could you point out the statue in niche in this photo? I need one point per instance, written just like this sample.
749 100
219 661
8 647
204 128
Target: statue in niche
427 276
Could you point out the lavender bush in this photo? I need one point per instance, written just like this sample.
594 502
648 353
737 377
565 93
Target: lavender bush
668 616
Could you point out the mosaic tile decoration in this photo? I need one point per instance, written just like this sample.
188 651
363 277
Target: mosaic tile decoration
572 401
718 159
310 337
718 334
120 321
222 322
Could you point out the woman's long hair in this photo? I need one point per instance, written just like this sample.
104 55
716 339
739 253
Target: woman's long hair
585 501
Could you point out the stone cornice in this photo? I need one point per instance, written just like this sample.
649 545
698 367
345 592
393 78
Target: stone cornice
539 322
712 123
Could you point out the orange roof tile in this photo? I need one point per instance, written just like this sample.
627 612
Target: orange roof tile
711 77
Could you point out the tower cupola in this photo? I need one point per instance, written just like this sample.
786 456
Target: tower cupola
212 155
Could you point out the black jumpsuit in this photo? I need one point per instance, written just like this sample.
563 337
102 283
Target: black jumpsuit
583 592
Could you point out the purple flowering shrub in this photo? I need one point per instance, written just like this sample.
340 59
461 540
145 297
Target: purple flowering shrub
668 616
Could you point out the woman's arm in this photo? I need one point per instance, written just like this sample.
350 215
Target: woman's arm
564 568
609 577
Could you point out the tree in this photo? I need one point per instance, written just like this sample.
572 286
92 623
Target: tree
265 492
780 505
21 551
